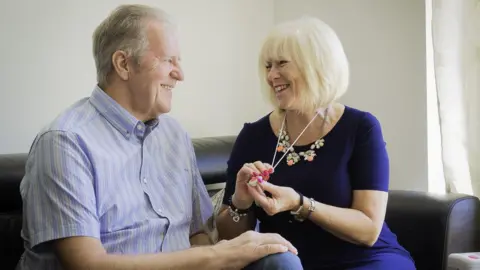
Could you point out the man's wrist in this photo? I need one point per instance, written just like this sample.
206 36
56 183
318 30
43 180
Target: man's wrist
220 257
211 257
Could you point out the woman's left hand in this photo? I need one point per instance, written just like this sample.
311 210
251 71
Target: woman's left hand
283 198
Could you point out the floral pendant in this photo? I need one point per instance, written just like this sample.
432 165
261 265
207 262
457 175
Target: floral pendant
284 146
293 157
317 144
308 155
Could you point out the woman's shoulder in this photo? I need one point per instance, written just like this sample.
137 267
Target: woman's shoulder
364 124
260 125
251 137
361 118
254 133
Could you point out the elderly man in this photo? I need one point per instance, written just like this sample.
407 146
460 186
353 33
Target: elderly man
112 182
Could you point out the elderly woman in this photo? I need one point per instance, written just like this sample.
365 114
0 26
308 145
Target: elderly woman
313 170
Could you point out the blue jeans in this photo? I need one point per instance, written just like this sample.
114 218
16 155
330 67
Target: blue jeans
279 261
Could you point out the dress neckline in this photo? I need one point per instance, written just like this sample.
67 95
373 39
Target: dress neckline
304 146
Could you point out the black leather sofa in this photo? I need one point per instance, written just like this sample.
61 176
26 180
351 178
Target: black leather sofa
429 226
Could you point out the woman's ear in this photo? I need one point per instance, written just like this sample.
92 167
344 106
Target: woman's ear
120 64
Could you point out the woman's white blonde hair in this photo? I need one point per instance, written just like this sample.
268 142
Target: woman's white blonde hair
315 50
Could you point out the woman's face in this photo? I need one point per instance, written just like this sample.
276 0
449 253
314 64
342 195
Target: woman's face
285 81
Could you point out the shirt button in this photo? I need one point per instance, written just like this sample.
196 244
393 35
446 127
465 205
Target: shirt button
139 127
145 180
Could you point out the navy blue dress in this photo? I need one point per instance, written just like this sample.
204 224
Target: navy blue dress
354 157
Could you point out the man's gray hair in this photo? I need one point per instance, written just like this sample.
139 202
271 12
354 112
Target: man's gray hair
124 29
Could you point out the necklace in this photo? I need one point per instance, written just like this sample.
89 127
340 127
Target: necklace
283 144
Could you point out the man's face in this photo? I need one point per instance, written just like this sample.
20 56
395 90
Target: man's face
152 81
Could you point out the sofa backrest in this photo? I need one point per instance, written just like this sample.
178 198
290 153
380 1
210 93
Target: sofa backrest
212 155
12 169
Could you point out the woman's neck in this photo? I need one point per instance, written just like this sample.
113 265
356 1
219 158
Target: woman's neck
304 118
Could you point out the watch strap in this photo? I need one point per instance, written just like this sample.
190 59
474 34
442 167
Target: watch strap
300 208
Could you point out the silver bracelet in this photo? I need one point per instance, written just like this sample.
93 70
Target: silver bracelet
235 215
311 208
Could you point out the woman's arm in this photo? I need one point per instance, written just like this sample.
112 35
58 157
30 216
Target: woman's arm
360 224
226 226
200 239
369 176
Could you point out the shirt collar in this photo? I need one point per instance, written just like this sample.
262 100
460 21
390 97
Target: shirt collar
118 117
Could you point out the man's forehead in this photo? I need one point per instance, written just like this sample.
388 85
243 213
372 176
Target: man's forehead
163 38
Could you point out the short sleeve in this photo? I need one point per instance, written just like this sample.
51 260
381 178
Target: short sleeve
202 205
57 190
369 164
202 208
238 157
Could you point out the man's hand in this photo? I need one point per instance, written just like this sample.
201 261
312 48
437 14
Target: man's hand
250 247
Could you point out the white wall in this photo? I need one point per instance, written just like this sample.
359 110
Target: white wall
46 57
46 62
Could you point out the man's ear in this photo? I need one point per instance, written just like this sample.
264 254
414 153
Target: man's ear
120 64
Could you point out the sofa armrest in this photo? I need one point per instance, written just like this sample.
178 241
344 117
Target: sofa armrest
432 226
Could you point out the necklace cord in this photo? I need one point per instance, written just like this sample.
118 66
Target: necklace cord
298 137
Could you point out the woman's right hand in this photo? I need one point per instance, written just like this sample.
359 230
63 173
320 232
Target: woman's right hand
242 198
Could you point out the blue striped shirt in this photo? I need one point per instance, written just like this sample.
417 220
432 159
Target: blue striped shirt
97 171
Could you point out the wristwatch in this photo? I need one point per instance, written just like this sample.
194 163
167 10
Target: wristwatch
297 214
